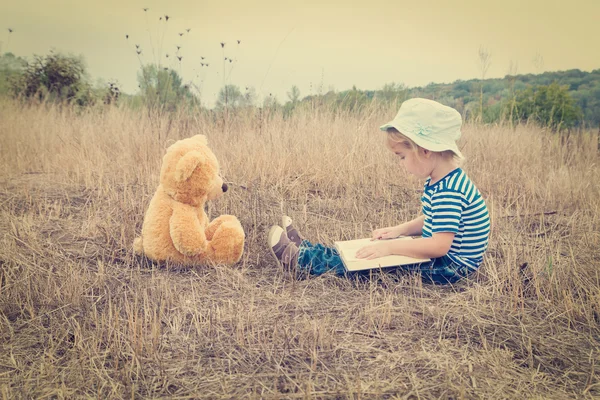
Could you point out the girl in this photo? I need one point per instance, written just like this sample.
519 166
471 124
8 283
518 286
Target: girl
454 224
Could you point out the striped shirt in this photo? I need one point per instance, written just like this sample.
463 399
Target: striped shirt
453 204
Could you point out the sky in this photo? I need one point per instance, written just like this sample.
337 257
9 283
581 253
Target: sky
316 45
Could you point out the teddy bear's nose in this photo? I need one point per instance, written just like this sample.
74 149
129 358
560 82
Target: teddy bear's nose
224 187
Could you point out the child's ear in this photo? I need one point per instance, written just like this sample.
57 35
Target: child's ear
426 153
187 164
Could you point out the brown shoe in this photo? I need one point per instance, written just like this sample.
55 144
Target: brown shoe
291 232
284 250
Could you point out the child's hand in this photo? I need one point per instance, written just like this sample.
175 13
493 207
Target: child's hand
375 250
385 233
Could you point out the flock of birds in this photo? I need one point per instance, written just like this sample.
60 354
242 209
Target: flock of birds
203 61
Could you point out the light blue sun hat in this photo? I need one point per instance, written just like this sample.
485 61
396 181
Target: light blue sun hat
431 125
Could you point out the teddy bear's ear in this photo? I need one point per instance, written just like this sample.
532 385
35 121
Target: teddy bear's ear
187 164
202 139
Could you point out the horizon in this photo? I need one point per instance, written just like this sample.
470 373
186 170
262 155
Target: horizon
314 47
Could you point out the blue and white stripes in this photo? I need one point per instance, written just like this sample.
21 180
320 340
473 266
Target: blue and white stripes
454 204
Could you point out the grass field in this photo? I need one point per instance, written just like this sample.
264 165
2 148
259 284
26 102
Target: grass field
81 316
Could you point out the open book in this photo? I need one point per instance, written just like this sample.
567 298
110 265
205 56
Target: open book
348 249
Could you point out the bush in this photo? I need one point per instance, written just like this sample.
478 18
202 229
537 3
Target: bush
55 77
10 68
550 106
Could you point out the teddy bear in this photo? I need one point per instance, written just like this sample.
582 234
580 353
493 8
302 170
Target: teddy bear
176 227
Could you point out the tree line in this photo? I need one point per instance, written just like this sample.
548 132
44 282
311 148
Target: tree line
559 100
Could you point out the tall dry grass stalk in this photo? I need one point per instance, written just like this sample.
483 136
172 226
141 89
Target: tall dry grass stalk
80 316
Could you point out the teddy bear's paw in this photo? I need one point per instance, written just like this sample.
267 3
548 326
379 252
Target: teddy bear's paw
138 246
217 222
227 244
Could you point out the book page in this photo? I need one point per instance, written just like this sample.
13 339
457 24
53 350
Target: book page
348 249
353 246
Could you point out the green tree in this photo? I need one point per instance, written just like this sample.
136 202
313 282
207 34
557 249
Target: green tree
55 77
294 95
293 102
249 97
163 88
10 68
352 100
230 97
550 106
271 103
392 93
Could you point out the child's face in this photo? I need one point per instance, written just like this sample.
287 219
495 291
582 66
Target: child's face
420 166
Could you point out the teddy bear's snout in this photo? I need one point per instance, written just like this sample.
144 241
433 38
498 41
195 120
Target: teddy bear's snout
224 187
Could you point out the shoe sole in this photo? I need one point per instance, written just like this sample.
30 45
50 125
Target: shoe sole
270 236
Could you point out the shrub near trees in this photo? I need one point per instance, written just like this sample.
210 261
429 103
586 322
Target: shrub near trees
10 68
56 77
550 106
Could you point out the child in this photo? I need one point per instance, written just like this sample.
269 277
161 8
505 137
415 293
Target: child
454 224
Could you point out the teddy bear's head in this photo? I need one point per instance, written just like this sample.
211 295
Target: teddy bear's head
190 172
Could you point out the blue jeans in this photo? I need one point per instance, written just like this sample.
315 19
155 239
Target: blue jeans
317 259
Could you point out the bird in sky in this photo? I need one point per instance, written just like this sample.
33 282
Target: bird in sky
145 9
222 44
126 36
239 41
10 30
181 34
179 57
166 17
188 30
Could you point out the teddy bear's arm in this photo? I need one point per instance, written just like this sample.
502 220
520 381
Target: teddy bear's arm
186 231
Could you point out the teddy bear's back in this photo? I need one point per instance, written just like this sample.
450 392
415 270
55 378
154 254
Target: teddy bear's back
156 233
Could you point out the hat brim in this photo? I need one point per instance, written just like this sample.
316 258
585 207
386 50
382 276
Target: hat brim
422 142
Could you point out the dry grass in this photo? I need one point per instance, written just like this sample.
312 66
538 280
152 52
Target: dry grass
80 316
